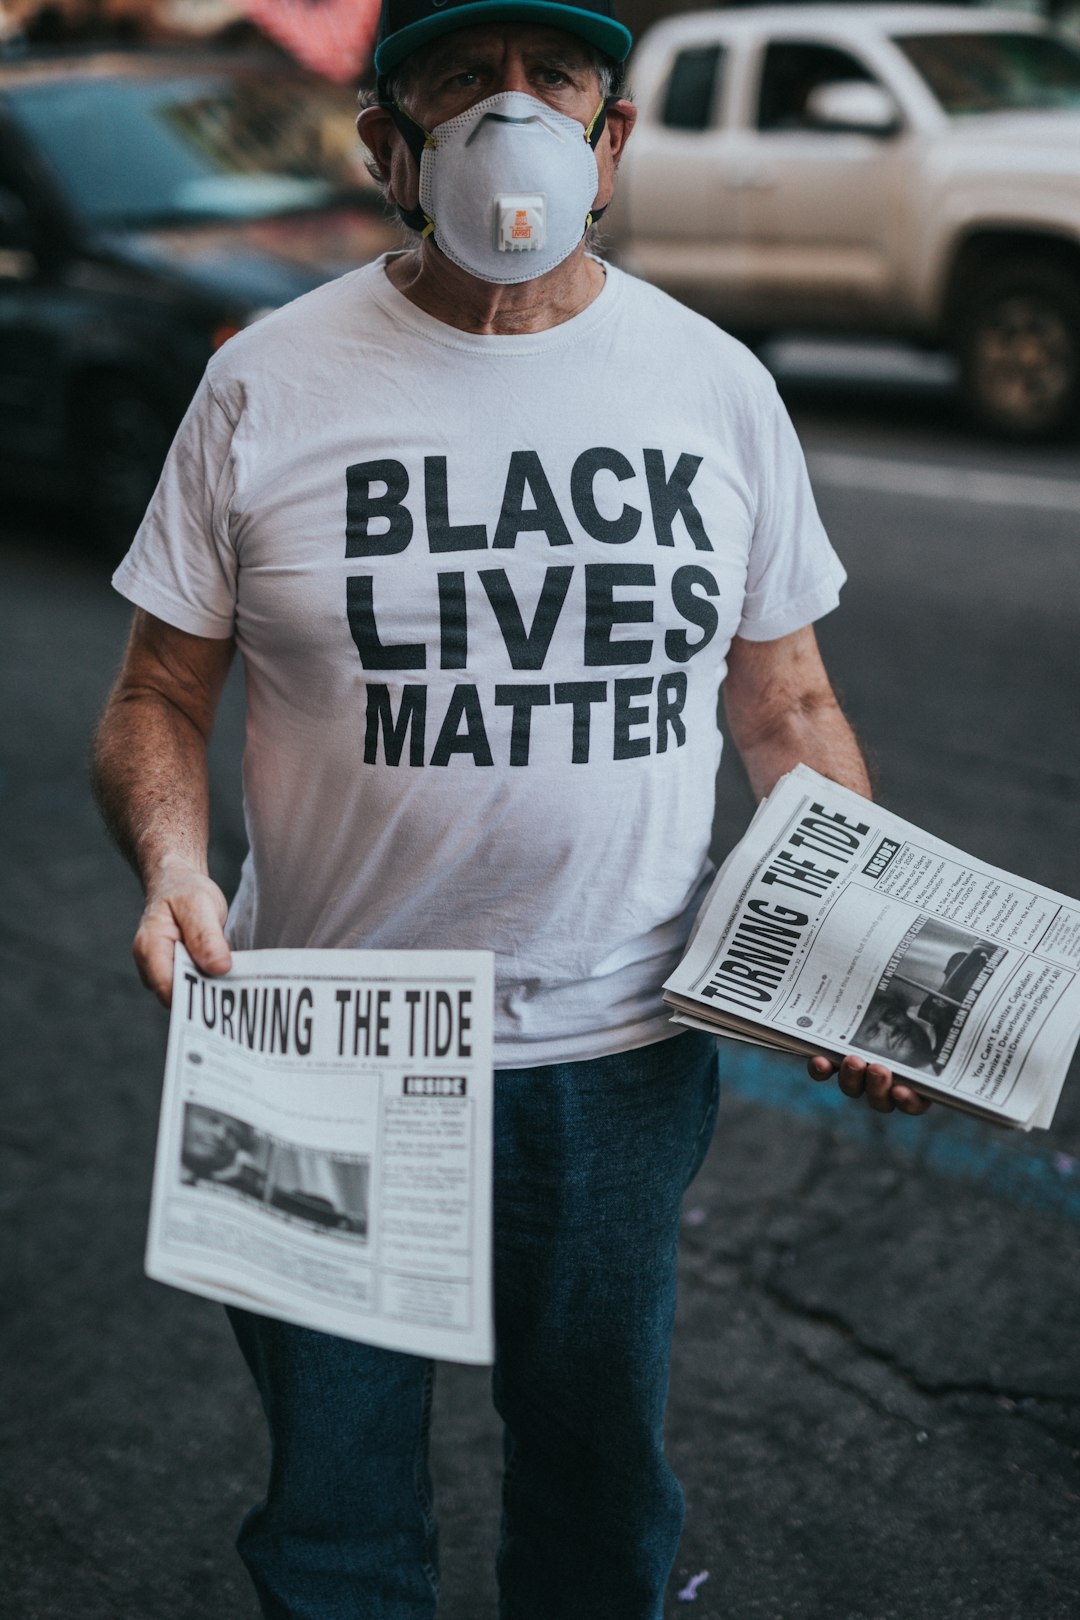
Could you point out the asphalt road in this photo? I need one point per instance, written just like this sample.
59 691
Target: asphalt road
875 1399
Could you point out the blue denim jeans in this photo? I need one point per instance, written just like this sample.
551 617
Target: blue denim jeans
591 1162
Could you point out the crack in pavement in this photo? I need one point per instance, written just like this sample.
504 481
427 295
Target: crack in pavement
933 1390
831 1376
757 1261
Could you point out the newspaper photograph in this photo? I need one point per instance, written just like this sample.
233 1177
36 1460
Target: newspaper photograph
324 1148
835 927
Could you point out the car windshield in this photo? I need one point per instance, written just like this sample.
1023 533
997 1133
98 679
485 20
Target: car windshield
982 73
174 151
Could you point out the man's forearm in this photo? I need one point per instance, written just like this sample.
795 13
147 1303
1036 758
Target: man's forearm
819 736
151 782
782 710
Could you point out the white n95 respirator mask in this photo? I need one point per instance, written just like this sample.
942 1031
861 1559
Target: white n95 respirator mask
507 188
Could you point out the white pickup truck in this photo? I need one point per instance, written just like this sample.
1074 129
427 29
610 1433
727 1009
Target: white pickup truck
903 170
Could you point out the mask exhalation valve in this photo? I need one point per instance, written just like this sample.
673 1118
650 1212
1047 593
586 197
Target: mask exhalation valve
519 223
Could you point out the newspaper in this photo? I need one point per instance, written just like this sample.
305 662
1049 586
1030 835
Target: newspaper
324 1151
836 927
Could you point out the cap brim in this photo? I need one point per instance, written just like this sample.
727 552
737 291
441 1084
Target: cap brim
605 33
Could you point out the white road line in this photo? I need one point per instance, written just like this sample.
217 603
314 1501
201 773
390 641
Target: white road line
936 482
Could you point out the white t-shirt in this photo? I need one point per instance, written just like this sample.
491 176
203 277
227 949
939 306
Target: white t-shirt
484 588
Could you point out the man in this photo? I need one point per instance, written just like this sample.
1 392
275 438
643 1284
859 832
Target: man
940 1010
218 1148
490 525
890 1028
916 1032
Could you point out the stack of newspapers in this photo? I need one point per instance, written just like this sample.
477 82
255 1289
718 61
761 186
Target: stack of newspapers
836 927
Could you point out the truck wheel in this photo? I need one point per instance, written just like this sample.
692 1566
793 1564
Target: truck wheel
123 438
1019 350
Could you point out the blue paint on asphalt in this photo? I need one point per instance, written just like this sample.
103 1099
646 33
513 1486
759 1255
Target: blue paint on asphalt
1003 1162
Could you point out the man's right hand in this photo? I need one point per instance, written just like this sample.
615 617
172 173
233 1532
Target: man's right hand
182 905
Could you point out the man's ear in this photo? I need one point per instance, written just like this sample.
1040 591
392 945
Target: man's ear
621 118
375 128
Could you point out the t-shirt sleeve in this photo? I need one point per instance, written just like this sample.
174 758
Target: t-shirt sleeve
794 575
182 565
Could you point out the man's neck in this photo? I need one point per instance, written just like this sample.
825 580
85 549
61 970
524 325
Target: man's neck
440 288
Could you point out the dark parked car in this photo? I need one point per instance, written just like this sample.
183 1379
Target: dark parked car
312 1207
151 204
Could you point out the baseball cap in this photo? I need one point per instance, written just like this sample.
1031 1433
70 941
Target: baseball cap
404 25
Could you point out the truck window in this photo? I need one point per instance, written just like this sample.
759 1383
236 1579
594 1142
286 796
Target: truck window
976 73
791 70
690 93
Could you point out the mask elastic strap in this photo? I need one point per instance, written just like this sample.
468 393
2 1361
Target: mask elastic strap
595 127
593 131
416 138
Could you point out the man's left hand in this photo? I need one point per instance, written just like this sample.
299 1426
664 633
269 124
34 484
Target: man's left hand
857 1078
